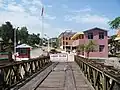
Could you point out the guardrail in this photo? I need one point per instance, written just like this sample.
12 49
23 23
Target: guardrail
16 72
100 76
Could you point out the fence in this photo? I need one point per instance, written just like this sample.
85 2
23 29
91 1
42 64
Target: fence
14 73
100 76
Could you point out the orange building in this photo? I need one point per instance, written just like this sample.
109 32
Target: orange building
65 41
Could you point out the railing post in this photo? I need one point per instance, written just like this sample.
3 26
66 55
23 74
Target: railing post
1 79
116 86
104 82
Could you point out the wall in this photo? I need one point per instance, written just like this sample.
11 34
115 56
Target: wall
98 42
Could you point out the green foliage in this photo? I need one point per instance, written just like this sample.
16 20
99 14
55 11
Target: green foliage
115 24
33 39
89 47
81 48
22 36
55 42
114 45
7 32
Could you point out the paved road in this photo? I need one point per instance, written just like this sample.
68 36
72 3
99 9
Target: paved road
65 77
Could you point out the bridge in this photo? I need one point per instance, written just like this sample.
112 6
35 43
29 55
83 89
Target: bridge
43 74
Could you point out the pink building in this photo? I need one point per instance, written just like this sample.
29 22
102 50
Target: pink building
99 36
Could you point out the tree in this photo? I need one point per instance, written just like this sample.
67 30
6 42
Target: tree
115 24
23 35
113 44
90 47
33 39
55 42
7 32
81 48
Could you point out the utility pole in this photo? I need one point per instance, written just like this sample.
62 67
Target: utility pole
48 42
15 42
51 43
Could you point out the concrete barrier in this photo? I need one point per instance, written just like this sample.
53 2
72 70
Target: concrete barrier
59 57
62 57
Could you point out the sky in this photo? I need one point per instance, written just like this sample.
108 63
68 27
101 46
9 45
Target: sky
59 15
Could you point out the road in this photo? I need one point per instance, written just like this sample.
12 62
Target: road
38 52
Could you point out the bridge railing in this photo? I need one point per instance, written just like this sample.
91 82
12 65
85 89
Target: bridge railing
100 76
14 73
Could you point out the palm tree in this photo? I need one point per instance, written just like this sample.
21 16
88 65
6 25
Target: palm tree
90 47
115 24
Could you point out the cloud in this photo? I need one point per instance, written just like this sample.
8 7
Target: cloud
94 19
82 10
50 17
26 13
86 16
1 3
15 8
34 10
49 6
37 2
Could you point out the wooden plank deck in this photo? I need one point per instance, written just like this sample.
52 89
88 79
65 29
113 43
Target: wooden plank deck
65 76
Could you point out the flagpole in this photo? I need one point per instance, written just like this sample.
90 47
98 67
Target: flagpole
42 29
42 24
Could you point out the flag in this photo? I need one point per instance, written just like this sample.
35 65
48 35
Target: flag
42 11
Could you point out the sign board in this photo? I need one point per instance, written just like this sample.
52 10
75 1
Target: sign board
59 57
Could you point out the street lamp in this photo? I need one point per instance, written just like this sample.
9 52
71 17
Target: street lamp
10 51
15 41
48 42
1 40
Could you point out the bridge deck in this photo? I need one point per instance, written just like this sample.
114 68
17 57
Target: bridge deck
65 76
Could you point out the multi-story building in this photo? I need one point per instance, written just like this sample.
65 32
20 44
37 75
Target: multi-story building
99 36
65 41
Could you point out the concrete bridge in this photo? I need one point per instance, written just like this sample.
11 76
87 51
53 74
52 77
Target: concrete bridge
42 74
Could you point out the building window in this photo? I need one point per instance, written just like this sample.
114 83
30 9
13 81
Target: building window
82 36
101 35
63 38
101 47
66 43
69 38
66 38
23 51
90 35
